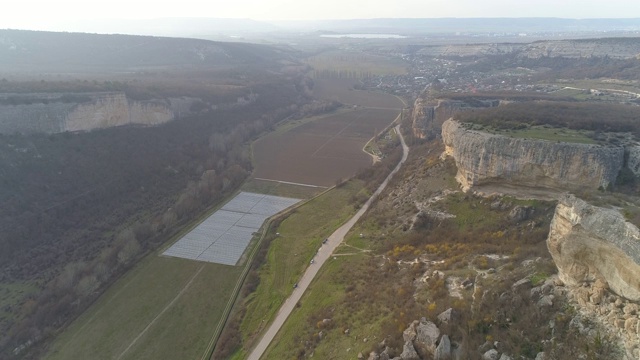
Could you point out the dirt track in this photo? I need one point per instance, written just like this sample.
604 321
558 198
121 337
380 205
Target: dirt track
325 253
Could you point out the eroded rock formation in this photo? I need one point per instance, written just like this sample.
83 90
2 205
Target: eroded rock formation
430 115
596 245
46 113
484 158
116 110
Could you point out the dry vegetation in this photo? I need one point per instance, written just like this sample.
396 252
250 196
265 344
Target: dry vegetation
597 118
413 256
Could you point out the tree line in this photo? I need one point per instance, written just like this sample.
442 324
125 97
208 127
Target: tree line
80 208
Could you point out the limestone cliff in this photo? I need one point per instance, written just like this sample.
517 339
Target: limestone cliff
429 115
116 110
484 158
47 113
590 244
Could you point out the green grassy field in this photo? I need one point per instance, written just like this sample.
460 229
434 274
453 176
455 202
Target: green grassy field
301 235
164 308
548 133
325 291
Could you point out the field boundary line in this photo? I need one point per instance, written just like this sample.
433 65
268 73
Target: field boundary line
376 158
236 290
178 296
335 239
339 132
291 183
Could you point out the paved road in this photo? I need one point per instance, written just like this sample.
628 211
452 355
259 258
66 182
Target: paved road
325 253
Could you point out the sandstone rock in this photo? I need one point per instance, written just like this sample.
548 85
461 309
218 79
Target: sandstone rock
630 309
448 316
443 351
541 356
591 243
505 357
409 352
99 110
598 292
409 333
427 336
360 356
631 326
373 356
618 303
484 158
582 296
115 109
491 355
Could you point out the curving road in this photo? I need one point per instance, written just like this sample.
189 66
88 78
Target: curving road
325 253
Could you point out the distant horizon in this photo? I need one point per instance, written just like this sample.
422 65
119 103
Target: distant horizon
181 25
63 14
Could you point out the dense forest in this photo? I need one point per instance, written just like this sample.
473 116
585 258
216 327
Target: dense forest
595 117
80 208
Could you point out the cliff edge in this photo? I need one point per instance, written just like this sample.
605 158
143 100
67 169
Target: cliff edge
483 158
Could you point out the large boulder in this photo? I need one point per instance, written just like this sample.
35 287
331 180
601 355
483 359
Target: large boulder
595 245
427 335
491 355
409 352
409 334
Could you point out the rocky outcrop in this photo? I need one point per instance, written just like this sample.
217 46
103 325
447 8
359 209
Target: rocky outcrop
51 113
593 244
484 158
429 116
116 110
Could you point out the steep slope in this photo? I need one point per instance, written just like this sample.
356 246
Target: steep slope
81 52
484 158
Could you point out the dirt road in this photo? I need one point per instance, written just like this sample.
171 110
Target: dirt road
325 253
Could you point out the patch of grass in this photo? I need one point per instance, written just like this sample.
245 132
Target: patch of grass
132 303
471 212
539 278
289 254
551 134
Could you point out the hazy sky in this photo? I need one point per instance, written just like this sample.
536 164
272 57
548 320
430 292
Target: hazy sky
39 14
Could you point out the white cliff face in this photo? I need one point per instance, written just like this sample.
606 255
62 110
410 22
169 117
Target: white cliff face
115 110
590 244
483 158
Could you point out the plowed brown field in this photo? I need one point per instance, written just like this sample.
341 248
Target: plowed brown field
322 151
